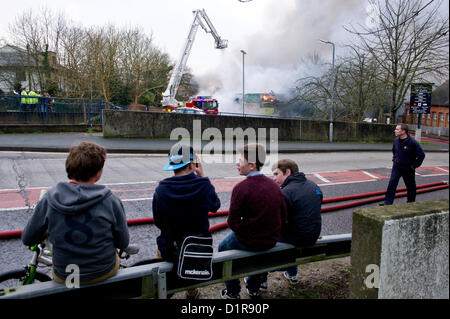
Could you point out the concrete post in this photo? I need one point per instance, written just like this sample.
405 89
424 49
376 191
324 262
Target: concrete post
401 251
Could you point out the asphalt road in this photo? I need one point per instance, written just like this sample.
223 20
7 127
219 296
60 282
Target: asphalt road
133 178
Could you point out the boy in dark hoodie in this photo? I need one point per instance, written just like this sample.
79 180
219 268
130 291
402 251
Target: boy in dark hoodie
84 222
181 203
304 214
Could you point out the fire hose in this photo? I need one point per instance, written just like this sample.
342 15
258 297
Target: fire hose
424 188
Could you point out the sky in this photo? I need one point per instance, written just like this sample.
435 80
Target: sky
276 34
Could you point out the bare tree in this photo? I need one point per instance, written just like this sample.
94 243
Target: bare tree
26 32
361 88
97 62
315 89
73 56
409 42
38 33
102 57
157 77
136 59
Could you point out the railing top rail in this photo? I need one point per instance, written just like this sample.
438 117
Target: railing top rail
50 288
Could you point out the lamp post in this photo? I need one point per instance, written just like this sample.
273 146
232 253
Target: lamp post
243 82
332 91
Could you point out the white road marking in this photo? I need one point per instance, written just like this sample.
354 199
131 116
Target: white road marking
43 191
352 182
136 199
12 209
370 175
321 178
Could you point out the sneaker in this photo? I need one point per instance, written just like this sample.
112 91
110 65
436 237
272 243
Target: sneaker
263 285
253 295
292 279
225 295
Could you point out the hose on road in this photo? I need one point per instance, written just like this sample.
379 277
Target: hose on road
424 188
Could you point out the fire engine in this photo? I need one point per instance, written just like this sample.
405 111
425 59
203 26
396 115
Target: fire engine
205 103
208 105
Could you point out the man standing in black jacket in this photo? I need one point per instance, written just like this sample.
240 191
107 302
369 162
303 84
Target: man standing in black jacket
407 156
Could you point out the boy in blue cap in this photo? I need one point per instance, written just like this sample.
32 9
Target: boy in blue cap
181 203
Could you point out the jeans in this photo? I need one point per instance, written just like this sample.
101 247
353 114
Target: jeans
408 175
111 273
234 286
292 271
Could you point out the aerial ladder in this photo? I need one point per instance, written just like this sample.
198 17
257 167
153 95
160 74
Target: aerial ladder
200 19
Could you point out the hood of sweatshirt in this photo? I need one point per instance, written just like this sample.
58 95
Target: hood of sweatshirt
184 188
296 178
73 199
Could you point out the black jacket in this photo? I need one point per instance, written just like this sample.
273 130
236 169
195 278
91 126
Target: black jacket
407 153
303 199
180 208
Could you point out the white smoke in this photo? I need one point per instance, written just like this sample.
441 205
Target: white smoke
273 62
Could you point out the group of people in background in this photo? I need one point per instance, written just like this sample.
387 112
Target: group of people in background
32 101
86 223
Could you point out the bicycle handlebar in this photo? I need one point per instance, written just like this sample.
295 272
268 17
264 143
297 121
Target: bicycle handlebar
127 252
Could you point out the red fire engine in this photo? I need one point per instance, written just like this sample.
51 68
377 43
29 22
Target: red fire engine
205 103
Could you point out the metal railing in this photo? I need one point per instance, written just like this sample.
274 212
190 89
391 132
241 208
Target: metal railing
157 280
25 109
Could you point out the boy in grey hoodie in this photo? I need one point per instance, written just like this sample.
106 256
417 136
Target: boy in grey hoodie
84 222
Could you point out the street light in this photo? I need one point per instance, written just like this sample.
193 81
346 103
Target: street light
332 93
243 81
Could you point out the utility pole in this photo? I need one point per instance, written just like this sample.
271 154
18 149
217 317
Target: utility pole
243 82
332 92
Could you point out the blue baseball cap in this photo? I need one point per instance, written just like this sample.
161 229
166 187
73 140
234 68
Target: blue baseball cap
180 155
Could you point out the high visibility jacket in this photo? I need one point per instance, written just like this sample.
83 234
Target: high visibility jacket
24 99
34 99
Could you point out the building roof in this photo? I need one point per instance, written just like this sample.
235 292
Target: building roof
13 56
439 97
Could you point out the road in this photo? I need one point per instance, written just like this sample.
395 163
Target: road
25 176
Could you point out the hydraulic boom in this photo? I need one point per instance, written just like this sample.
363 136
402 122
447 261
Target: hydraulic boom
200 18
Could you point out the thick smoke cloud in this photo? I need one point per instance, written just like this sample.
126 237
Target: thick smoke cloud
291 32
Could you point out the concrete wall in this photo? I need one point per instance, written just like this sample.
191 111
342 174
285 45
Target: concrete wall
50 128
37 118
160 125
401 251
439 131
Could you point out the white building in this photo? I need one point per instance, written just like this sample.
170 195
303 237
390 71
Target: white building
19 69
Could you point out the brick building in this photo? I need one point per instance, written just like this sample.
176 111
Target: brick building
439 111
438 117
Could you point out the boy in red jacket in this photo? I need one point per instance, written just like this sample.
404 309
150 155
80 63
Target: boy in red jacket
257 211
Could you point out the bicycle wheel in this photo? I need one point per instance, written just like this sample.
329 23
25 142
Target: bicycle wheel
13 278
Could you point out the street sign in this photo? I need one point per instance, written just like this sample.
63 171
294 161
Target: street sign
420 100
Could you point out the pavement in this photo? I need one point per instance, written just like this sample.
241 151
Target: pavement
61 142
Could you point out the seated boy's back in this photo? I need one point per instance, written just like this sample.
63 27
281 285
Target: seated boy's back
180 207
181 203
257 210
84 222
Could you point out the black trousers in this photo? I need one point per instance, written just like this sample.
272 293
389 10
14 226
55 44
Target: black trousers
409 177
